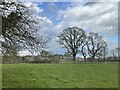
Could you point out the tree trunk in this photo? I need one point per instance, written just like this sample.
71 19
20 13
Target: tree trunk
93 59
85 59
74 59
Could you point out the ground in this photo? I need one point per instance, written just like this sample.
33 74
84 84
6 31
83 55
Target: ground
66 75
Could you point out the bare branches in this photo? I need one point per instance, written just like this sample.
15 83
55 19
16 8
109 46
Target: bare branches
95 45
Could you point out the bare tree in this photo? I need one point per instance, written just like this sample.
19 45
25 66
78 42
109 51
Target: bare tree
102 53
71 39
45 53
113 52
116 54
19 29
95 45
117 50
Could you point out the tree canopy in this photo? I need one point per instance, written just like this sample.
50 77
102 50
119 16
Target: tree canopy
96 45
19 29
71 39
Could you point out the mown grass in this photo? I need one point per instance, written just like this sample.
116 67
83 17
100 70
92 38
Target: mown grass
66 75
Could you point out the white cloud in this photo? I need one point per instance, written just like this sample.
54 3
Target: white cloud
33 7
99 16
25 53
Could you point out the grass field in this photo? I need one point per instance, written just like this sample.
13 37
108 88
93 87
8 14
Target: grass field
60 75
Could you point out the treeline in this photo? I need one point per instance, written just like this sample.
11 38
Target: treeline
45 57
48 57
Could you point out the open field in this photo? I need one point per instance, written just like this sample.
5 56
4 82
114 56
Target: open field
67 75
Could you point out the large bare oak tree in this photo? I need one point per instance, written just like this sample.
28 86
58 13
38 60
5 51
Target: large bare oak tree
71 39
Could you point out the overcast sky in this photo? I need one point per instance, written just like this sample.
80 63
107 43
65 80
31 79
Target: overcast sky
100 17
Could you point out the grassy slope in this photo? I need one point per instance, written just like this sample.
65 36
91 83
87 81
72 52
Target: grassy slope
60 75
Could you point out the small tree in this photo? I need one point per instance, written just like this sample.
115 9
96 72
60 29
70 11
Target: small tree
116 53
71 39
45 53
117 50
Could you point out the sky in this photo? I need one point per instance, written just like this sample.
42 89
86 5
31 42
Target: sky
99 17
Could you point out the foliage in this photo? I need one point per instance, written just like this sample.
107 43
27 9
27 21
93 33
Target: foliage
19 29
